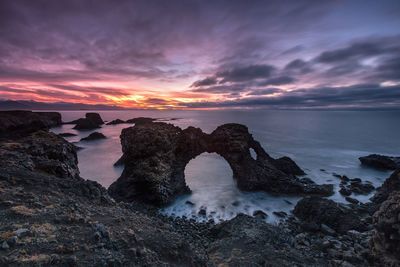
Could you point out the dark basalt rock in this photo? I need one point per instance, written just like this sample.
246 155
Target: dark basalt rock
19 122
287 165
67 134
115 122
94 117
381 162
120 161
385 243
390 185
41 151
140 120
156 155
94 136
318 211
85 124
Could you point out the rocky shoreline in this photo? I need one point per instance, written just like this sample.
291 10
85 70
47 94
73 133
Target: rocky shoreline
50 216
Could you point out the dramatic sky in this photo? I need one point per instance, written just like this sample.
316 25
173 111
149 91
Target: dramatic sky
202 53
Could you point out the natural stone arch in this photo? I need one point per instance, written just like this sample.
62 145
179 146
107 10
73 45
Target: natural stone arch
156 154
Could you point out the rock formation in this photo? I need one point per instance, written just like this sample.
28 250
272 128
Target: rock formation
94 136
140 120
115 122
156 154
91 121
316 212
390 185
381 162
20 122
385 243
95 117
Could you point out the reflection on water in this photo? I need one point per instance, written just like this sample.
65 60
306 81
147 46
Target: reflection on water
321 142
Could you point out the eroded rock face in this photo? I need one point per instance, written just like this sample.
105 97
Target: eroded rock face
385 243
156 154
42 152
94 136
95 117
316 212
381 162
390 185
20 122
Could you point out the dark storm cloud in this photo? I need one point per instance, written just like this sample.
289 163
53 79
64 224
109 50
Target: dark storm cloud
246 73
353 96
280 80
136 38
205 82
221 89
266 91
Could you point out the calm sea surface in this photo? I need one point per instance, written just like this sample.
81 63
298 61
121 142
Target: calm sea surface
321 142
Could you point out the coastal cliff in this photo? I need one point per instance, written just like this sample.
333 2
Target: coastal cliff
50 216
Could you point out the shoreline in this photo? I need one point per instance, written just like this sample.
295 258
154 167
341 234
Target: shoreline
54 217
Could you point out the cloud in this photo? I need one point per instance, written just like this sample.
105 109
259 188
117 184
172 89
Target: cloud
246 73
266 91
358 96
280 80
205 82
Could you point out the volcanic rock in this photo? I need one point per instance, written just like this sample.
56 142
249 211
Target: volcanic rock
390 185
156 155
94 136
85 124
19 122
115 122
381 162
95 117
67 134
140 120
318 211
385 243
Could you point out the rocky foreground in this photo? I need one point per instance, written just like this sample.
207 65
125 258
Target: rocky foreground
49 216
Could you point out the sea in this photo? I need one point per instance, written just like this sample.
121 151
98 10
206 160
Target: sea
322 143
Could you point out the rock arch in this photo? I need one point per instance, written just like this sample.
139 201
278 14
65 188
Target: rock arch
156 154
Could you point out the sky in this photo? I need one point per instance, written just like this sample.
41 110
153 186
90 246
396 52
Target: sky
202 54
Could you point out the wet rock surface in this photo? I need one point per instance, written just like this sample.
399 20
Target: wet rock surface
381 162
156 155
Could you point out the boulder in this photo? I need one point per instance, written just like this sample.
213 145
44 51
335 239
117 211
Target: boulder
318 211
390 185
115 122
17 123
156 155
85 124
94 136
385 243
95 117
381 162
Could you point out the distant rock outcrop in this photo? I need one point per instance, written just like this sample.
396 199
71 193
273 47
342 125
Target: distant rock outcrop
156 154
140 120
381 162
91 121
115 122
18 122
94 136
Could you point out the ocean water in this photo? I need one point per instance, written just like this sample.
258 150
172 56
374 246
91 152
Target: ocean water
321 142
